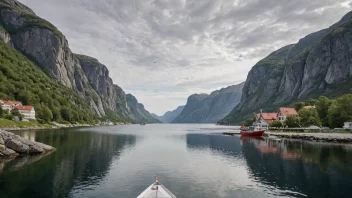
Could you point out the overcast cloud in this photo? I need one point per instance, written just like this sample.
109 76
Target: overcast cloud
162 51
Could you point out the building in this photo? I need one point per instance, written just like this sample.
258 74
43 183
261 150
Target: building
9 105
27 111
284 112
309 107
266 117
347 125
6 105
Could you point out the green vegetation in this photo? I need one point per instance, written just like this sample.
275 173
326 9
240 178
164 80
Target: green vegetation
299 105
1 112
340 111
21 79
276 124
293 121
329 113
322 105
4 123
249 121
115 118
309 117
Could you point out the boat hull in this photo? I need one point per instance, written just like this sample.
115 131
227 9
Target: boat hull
252 133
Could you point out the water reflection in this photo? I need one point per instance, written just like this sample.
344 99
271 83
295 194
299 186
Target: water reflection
82 159
191 160
312 169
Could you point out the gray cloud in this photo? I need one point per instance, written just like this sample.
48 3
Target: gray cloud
165 50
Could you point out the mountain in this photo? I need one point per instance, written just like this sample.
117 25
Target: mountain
42 43
204 108
319 64
169 116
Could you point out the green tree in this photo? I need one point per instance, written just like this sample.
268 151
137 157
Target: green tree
9 117
47 114
249 121
309 117
310 101
292 121
66 114
16 112
56 114
276 124
340 111
322 105
299 105
1 112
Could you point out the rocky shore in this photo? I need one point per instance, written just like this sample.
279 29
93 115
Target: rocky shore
319 137
12 145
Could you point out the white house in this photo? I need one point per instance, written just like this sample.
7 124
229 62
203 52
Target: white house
284 112
6 105
9 105
348 125
27 111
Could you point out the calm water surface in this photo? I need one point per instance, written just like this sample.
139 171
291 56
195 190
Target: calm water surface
190 160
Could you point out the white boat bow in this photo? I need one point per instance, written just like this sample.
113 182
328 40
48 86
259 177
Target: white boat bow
156 190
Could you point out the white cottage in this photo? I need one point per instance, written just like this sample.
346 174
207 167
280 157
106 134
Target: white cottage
347 125
27 111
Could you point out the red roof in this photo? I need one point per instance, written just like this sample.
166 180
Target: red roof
268 117
11 103
288 111
26 108
16 103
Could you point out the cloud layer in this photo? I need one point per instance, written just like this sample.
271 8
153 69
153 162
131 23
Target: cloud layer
164 50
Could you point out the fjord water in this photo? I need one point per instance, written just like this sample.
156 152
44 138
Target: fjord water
190 160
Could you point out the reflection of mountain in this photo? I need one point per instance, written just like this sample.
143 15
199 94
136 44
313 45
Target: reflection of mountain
282 167
82 160
228 145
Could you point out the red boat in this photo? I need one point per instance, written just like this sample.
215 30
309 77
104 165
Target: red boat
253 133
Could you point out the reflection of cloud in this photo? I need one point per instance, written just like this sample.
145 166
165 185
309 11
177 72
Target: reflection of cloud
143 42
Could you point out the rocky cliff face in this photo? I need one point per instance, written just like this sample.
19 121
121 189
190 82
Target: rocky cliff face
138 112
318 64
169 116
44 43
204 108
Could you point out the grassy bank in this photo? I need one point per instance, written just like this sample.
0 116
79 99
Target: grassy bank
19 124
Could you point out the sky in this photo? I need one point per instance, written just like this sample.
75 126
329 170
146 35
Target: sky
163 51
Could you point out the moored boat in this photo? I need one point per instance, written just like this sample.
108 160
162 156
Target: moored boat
156 190
253 133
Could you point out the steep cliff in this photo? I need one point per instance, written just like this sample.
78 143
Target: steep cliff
43 43
319 64
169 116
138 112
204 108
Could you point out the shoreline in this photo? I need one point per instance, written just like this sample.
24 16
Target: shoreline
12 146
345 138
316 137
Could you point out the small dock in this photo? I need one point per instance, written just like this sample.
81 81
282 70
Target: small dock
232 133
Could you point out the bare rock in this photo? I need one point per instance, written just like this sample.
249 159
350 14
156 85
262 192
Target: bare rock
17 146
45 147
36 149
2 147
9 152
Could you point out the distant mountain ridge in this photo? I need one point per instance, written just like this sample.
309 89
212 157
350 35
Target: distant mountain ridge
44 44
318 64
204 108
169 116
